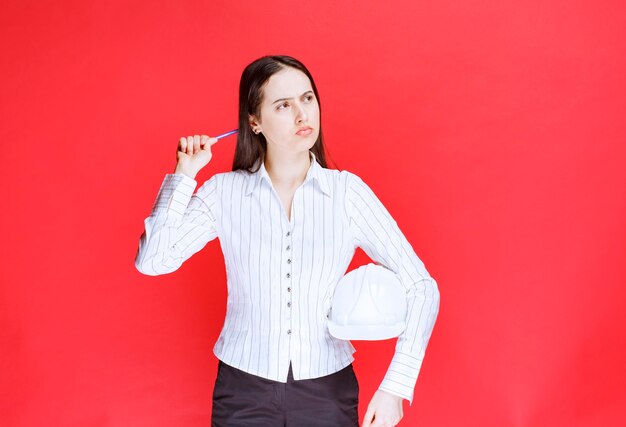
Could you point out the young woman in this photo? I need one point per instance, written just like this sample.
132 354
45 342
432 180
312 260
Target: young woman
288 227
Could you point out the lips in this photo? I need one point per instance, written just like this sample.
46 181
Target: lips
305 131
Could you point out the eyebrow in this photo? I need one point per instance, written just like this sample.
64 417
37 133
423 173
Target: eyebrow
285 99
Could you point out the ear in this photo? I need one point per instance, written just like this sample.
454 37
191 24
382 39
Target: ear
252 120
254 124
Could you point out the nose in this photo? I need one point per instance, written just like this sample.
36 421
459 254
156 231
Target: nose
301 114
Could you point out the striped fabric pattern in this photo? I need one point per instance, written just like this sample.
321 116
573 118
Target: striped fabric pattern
282 272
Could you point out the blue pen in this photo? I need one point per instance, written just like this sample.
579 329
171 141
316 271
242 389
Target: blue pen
226 134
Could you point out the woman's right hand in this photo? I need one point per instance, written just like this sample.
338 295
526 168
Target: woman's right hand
193 153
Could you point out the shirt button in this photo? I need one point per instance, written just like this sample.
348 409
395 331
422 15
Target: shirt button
289 304
289 289
289 331
288 233
288 275
288 260
288 247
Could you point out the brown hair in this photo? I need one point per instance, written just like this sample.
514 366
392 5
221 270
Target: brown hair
251 146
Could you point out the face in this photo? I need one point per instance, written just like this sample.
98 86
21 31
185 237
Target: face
289 104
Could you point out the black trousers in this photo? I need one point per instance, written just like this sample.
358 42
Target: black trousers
241 399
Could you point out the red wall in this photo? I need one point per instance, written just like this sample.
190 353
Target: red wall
507 118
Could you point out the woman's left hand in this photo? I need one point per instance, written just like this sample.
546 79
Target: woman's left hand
384 410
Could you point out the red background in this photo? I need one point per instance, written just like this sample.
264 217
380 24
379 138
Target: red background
493 131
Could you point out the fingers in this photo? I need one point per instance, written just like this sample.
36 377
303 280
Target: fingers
206 142
193 144
196 144
189 145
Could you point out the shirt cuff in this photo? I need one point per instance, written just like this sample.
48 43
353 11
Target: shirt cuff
175 193
401 376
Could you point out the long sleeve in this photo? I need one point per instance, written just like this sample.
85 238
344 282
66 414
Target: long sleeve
378 234
179 225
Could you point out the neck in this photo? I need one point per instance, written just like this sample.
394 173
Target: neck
287 169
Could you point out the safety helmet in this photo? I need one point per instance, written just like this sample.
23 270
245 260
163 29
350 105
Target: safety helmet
369 303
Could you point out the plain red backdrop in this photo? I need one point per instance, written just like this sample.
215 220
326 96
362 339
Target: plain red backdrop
493 131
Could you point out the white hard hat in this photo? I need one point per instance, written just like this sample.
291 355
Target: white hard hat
369 304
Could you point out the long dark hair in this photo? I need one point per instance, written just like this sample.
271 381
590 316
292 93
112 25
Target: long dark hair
250 146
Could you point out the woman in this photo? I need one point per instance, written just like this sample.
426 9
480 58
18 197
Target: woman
288 227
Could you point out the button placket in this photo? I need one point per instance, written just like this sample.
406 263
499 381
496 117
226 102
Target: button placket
288 275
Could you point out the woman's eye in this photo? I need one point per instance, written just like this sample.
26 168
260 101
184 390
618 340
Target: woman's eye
309 98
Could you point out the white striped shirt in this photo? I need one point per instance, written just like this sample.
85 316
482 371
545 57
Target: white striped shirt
282 273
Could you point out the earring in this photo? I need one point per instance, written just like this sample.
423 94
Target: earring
257 131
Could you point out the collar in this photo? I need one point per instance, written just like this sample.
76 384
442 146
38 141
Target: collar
316 172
